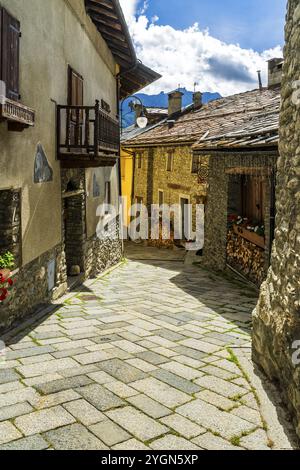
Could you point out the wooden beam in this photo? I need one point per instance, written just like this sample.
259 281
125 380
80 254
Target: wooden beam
263 171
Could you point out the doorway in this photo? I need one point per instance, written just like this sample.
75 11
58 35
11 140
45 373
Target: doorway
74 232
185 218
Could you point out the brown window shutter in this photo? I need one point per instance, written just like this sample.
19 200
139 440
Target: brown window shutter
10 54
75 91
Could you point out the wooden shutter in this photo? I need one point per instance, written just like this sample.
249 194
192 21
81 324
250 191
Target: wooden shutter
10 54
75 91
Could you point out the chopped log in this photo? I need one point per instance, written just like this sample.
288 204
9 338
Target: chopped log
246 257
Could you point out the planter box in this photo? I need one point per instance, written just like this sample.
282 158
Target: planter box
252 237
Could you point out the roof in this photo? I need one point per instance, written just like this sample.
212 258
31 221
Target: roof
109 19
213 119
258 130
153 110
131 132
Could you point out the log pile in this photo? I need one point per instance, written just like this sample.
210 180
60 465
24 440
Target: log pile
161 243
246 258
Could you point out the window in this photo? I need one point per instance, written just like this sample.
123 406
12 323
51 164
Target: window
10 34
195 164
170 161
108 192
139 201
138 161
75 92
160 198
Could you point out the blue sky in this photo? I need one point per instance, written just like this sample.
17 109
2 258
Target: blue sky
217 44
256 24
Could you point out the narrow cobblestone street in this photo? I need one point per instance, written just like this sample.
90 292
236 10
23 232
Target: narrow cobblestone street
153 355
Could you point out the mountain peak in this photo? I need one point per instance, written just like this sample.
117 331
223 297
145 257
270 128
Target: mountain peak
161 101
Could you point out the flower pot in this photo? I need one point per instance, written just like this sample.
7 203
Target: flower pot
5 273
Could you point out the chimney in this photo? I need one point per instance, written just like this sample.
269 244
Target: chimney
197 99
175 102
275 72
259 80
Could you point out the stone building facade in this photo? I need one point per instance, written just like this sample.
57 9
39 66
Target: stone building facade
63 62
223 200
276 320
169 168
157 183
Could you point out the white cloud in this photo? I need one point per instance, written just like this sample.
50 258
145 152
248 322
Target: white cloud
129 8
193 55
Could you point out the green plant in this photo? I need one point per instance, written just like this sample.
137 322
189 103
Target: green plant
7 261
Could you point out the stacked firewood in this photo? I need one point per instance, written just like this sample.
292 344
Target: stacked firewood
165 240
246 257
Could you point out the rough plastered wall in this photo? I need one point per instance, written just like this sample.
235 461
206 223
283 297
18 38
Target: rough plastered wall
55 34
277 316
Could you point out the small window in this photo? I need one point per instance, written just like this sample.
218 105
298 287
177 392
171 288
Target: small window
108 192
139 201
160 198
139 161
170 161
107 195
195 164
10 54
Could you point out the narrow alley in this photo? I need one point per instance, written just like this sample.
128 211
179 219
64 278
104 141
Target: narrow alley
154 354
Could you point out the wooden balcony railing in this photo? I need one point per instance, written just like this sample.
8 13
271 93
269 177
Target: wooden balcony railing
86 137
17 115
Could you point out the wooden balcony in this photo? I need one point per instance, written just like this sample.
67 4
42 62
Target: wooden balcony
86 137
18 116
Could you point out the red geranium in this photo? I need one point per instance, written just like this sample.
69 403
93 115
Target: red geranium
5 284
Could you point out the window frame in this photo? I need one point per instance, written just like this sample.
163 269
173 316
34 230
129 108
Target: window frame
197 158
139 163
170 161
10 56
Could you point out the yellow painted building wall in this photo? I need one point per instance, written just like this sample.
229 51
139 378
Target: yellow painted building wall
127 168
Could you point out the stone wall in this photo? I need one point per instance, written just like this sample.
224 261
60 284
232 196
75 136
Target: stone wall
219 199
33 286
276 321
180 182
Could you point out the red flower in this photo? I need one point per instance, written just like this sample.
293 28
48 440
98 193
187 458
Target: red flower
4 294
10 282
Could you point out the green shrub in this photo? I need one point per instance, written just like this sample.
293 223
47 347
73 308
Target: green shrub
7 261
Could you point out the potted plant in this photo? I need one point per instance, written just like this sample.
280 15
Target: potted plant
7 263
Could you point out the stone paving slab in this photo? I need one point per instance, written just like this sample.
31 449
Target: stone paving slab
137 423
74 437
128 368
41 421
